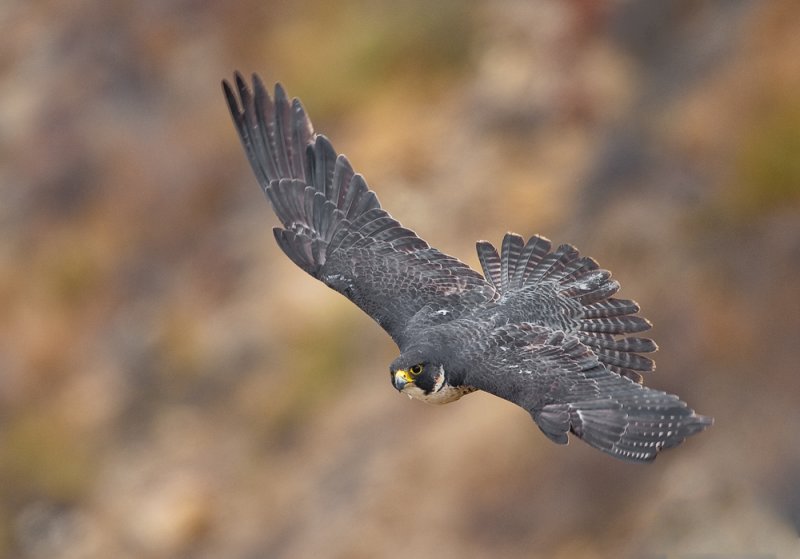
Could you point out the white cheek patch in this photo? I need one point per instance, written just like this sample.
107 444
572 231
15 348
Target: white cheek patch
438 381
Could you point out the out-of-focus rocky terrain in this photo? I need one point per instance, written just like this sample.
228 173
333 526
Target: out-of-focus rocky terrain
172 386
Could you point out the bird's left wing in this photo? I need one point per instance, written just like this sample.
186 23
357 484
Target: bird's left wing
563 385
333 226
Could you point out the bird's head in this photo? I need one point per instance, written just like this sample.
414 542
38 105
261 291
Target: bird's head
421 375
419 380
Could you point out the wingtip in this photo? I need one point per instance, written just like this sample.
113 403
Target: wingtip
300 112
258 87
705 421
237 84
230 98
280 92
241 84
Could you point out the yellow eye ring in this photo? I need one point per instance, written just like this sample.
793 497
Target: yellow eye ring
415 370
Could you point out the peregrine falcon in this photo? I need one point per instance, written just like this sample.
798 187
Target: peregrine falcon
540 327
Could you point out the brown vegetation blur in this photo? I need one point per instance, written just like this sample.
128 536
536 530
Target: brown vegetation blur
172 386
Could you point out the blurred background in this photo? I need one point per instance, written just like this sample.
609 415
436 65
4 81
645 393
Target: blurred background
172 386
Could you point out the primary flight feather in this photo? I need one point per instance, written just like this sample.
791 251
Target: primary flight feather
540 328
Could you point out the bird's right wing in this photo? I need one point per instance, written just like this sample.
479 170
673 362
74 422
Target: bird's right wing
563 385
562 290
333 226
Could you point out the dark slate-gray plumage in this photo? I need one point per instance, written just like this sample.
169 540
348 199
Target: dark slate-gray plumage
540 328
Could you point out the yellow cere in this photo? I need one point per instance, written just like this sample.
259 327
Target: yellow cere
405 375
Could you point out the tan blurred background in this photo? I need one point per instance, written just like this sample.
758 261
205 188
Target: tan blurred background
172 386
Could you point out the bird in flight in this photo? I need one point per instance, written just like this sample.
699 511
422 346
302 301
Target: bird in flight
540 327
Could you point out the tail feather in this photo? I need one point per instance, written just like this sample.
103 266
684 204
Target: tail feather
633 426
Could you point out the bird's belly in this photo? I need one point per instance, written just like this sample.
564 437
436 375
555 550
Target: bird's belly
444 396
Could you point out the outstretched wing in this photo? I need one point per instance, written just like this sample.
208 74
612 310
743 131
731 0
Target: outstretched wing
562 290
563 385
333 226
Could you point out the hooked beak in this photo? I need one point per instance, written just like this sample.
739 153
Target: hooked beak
401 378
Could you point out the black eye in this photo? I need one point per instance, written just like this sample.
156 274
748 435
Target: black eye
415 370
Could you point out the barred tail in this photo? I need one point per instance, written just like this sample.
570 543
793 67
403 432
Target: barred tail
633 426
